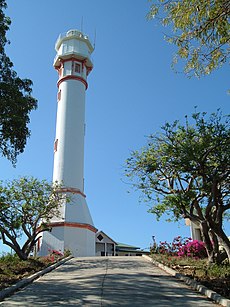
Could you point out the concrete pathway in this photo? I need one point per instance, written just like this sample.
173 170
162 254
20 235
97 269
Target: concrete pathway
107 281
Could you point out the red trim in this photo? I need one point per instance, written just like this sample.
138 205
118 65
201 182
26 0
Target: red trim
72 190
88 70
62 61
74 225
71 77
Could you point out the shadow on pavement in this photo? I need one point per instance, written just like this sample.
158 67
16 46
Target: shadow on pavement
113 281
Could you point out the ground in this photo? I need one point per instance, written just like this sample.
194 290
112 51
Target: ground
12 269
216 278
220 285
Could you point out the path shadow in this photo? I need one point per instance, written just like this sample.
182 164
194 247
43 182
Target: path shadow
115 281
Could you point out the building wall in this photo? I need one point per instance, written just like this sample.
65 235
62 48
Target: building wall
105 246
105 249
72 45
49 242
79 241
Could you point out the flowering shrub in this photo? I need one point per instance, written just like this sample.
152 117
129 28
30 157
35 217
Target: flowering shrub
182 247
54 255
164 248
174 247
55 252
194 248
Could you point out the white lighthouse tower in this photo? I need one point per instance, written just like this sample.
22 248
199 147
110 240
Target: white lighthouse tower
73 229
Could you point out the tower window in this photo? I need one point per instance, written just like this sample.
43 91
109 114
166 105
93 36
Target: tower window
55 145
59 95
77 68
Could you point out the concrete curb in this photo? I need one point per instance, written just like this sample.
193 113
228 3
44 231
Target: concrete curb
193 284
25 281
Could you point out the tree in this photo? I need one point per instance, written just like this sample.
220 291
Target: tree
184 172
24 206
200 30
16 101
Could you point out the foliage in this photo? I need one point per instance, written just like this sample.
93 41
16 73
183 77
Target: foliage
182 247
53 256
215 277
16 101
67 252
188 257
8 258
24 206
184 173
194 249
172 249
13 268
200 31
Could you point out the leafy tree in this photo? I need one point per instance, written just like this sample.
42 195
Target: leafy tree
200 30
184 172
24 204
16 101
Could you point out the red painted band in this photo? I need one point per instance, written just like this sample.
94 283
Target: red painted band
75 59
71 77
75 225
72 190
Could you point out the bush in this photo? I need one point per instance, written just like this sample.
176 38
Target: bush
193 248
53 256
9 258
181 247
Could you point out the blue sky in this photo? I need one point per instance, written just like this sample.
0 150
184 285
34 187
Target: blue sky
132 93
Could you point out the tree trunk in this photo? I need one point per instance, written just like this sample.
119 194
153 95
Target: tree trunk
215 242
21 255
207 241
224 241
13 244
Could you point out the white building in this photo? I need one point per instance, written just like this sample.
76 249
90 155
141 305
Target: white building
194 230
74 229
105 246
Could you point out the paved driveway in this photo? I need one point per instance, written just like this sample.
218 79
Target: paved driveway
107 281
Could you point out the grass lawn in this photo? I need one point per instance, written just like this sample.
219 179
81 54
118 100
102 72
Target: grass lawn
214 277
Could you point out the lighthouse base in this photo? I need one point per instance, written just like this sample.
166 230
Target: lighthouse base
79 239
71 230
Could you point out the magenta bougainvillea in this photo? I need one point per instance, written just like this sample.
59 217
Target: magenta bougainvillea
193 248
54 255
183 247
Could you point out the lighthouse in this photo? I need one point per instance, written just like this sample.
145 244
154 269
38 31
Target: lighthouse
73 229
